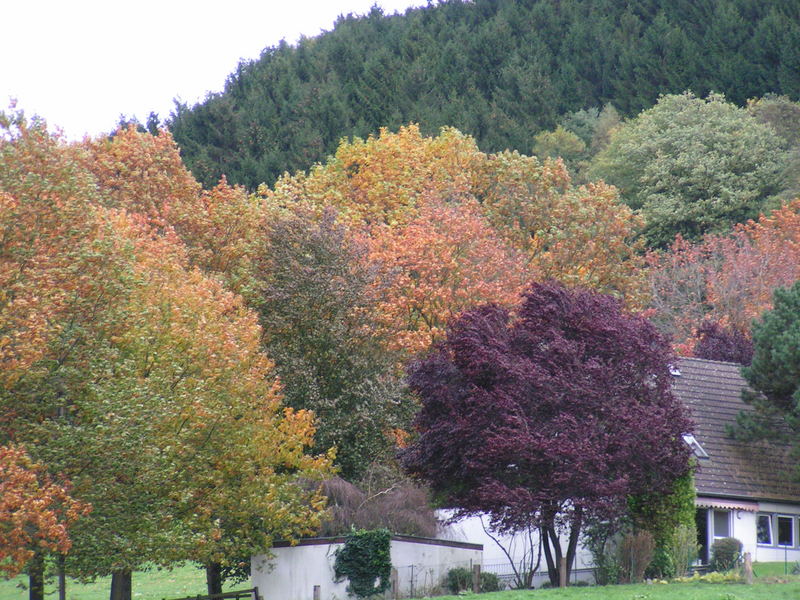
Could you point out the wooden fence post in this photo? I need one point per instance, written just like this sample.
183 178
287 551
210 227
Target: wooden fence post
562 572
395 578
317 594
476 579
748 568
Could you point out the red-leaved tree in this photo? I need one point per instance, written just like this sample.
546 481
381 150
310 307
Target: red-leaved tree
547 417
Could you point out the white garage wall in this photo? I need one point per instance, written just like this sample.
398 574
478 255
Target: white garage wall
293 571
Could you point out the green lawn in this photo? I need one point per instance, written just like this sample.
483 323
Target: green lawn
672 591
148 585
189 580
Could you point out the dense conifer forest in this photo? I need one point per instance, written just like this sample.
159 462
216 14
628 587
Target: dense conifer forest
498 70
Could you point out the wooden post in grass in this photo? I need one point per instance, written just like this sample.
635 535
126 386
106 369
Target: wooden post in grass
317 594
562 572
476 579
395 584
748 568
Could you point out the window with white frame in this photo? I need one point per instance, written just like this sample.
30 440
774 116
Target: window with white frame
764 529
785 527
722 523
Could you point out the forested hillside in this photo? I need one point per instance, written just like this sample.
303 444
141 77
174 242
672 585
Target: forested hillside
498 70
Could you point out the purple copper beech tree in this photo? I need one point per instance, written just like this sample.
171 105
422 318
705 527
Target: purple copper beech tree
549 416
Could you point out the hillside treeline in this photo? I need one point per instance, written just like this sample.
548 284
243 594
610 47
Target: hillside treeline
498 70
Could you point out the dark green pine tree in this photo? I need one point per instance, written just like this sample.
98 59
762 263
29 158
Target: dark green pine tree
774 374
499 70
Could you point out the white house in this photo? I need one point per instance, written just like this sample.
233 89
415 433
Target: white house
745 490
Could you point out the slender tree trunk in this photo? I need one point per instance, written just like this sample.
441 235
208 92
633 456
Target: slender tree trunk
574 534
552 538
214 578
36 577
121 585
62 577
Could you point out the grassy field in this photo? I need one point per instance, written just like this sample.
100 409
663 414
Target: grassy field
148 585
771 584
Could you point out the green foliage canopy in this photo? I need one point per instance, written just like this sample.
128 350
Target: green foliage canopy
693 166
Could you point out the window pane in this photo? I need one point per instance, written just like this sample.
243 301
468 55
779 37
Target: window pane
721 523
785 531
764 529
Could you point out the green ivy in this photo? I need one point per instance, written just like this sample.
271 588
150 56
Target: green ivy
364 560
661 514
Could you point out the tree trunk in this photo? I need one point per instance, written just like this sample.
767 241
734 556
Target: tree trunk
62 577
574 534
36 577
121 585
552 552
214 578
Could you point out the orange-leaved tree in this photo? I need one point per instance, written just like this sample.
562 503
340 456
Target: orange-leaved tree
441 262
149 392
144 175
727 279
35 512
381 180
580 236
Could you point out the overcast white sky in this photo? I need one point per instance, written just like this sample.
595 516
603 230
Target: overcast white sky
82 63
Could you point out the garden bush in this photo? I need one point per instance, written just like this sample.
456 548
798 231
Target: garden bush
683 547
726 554
636 554
460 580
490 583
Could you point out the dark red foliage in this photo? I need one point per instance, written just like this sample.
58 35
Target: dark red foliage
549 417
716 342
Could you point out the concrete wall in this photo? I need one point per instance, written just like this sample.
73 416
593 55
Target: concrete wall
293 571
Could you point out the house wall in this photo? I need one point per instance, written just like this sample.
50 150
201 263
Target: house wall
773 552
293 571
743 525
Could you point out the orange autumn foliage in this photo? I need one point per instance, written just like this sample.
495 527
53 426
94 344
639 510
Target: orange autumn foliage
382 180
582 236
727 279
46 223
35 512
144 175
441 262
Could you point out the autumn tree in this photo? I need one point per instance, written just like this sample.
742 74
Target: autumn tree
729 279
142 173
150 391
382 185
442 262
693 166
46 220
35 512
550 416
579 236
381 180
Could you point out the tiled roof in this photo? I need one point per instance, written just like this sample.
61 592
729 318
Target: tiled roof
757 470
